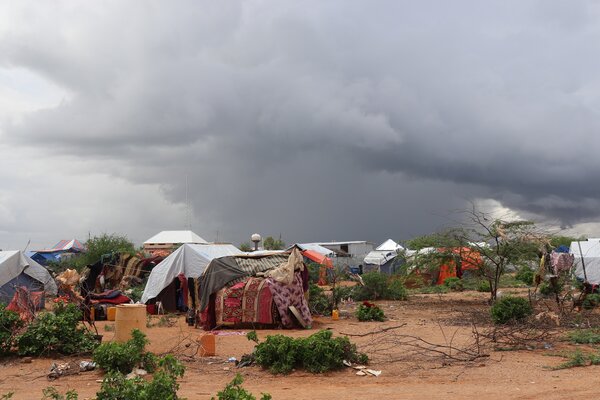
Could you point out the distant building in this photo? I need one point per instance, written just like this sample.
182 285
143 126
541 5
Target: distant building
165 242
351 253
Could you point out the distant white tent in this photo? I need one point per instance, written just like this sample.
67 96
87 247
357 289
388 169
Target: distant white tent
382 258
587 254
389 245
16 269
189 260
175 237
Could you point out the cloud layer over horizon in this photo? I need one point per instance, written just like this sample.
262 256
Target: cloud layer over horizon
340 120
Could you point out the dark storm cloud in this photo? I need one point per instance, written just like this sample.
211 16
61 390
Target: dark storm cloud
325 120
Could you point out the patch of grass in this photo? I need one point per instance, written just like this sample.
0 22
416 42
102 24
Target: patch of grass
584 336
437 289
575 359
109 327
510 281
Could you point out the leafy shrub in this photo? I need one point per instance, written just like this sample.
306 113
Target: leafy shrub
369 312
484 286
378 286
510 308
9 325
163 385
591 301
56 331
375 287
454 284
234 391
122 357
396 290
525 275
50 393
317 353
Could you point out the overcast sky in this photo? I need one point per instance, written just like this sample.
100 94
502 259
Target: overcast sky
317 120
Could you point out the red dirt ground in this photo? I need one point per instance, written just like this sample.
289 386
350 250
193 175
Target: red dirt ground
513 375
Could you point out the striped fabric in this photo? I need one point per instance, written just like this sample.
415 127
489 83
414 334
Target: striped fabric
254 266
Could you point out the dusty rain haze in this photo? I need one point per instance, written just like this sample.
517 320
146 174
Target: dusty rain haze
336 120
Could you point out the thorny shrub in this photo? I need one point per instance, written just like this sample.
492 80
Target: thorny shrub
234 391
368 311
56 332
510 309
317 353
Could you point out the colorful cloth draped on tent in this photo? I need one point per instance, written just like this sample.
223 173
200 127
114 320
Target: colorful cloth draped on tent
285 296
248 302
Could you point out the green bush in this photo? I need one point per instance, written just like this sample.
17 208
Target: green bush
10 323
484 286
234 391
317 353
56 332
378 286
454 284
591 301
163 385
50 393
510 309
525 275
369 312
396 290
123 357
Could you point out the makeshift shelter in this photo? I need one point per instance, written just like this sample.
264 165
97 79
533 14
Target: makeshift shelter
383 258
250 290
456 261
188 261
62 249
17 270
587 260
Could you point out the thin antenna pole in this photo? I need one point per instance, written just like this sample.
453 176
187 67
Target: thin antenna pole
188 216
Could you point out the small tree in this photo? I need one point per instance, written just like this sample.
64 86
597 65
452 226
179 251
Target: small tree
245 247
104 244
271 243
501 242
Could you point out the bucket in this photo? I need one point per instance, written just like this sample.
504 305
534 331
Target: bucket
129 317
111 313
207 345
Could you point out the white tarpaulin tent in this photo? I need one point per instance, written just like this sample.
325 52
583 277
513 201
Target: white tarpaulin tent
14 264
175 237
189 260
384 253
587 253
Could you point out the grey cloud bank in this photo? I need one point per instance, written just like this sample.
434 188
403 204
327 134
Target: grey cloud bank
317 120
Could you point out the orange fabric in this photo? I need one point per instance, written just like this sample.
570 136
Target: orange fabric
470 260
318 258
